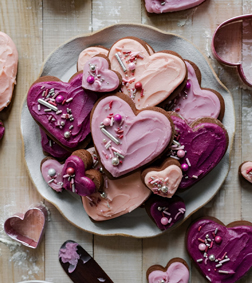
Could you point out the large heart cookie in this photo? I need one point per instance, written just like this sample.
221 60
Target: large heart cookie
222 253
125 138
199 147
117 197
148 79
195 102
8 69
165 212
164 6
163 180
62 109
176 271
231 44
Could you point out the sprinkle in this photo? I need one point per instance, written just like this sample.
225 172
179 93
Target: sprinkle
120 62
109 135
175 142
218 265
69 99
59 112
65 176
73 188
118 154
206 259
207 277
108 144
201 240
111 121
71 127
216 231
211 245
47 110
142 93
167 213
188 162
42 87
177 215
43 102
50 181
223 271
199 260
170 220
38 107
225 260
195 177
50 143
175 157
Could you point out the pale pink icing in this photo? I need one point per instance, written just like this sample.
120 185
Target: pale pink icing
196 103
56 185
8 69
177 272
154 6
123 196
160 74
144 136
88 53
105 80
170 177
245 168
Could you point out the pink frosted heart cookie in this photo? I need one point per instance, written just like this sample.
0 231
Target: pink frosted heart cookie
164 6
98 77
117 196
8 69
62 109
126 139
195 102
89 53
2 129
245 170
148 79
176 271
163 180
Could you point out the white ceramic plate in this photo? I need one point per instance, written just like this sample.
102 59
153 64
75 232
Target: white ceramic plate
62 64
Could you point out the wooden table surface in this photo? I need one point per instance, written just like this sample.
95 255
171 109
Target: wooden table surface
37 28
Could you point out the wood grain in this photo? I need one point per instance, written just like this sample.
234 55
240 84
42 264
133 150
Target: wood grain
38 27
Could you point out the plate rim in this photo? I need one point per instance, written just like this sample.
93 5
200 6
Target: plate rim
229 149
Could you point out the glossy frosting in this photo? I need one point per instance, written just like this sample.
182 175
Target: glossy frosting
160 74
123 196
169 177
143 137
246 171
173 209
8 69
57 184
235 249
2 129
154 6
205 145
52 148
83 186
88 53
105 80
177 272
81 104
196 103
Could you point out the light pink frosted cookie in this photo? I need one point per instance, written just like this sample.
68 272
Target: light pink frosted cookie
164 6
148 79
245 170
8 69
89 53
117 197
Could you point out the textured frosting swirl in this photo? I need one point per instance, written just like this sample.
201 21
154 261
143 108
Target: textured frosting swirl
8 69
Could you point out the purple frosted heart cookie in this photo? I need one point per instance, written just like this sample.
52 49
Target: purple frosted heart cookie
126 139
199 147
2 129
98 76
62 109
165 212
223 254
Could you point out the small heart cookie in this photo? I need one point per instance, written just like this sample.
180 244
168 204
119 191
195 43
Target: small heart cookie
126 139
163 180
176 271
245 170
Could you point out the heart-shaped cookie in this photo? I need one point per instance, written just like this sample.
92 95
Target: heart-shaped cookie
89 53
8 69
126 139
165 212
176 271
222 253
199 147
27 228
163 180
62 109
2 129
147 79
195 102
98 76
117 196
164 6
245 170
230 44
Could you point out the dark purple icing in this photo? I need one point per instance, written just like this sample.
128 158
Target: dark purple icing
205 145
83 185
173 209
76 99
235 249
52 148
2 129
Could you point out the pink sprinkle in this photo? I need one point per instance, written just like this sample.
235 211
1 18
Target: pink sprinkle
188 162
66 176
104 153
106 183
69 99
118 48
167 213
170 220
111 121
249 170
115 149
110 104
201 240
206 260
211 245
199 228
177 215
50 117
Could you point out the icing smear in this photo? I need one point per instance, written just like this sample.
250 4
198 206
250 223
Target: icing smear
8 69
